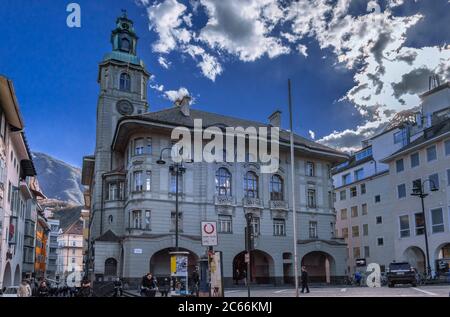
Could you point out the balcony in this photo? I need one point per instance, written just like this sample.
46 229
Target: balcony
250 202
278 205
222 200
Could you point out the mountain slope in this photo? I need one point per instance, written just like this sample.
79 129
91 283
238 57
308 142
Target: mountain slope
57 179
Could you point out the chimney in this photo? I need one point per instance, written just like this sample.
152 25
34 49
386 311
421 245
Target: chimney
275 119
184 105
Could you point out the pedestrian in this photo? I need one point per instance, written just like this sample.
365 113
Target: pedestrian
148 286
43 290
244 276
24 289
304 280
358 278
195 282
164 286
236 276
85 289
118 288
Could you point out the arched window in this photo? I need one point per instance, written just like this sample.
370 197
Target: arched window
110 267
251 185
223 182
125 82
276 188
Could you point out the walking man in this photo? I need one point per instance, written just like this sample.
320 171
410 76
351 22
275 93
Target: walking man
304 279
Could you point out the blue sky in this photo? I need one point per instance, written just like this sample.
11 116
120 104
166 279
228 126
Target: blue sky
258 45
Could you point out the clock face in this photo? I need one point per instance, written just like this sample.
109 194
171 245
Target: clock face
125 26
125 108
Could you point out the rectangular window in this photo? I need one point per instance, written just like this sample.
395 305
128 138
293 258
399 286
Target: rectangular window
174 220
346 179
437 220
138 185
121 190
415 160
345 233
447 147
380 241
431 153
448 177
310 169
366 252
400 166
401 191
139 146
356 253
73 260
342 195
354 211
365 229
313 230
434 181
344 214
279 227
136 219
404 226
311 198
359 174
401 137
377 198
364 209
353 192
256 226
149 149
148 180
112 192
173 180
379 220
420 224
355 231
225 224
363 189
147 220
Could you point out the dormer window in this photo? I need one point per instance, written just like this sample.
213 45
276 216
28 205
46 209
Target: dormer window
125 82
125 44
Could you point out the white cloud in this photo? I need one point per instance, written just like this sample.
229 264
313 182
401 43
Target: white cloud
164 62
174 95
312 134
157 87
302 49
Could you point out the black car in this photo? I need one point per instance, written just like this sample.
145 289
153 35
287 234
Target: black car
401 273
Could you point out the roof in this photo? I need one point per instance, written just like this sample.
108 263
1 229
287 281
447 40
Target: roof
76 228
436 89
173 116
9 103
352 162
436 131
108 236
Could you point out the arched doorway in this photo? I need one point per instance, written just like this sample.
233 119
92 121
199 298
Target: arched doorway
416 257
261 270
7 278
320 266
160 262
110 267
17 275
443 258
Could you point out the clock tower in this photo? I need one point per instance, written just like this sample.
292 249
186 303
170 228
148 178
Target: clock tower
123 82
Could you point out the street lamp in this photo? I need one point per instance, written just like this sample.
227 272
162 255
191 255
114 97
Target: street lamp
418 190
176 169
249 232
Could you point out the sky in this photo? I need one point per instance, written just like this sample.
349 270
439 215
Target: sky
353 64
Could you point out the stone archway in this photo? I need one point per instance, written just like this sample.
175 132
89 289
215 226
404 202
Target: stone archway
320 266
7 277
160 262
442 256
261 269
17 275
415 257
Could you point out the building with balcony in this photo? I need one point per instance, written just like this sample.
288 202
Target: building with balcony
132 198
52 248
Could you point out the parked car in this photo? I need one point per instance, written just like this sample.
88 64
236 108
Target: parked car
401 273
10 291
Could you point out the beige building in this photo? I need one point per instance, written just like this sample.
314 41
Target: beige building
70 253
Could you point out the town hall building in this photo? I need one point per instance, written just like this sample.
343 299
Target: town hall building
132 197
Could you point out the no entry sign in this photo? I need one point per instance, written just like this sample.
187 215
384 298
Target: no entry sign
209 233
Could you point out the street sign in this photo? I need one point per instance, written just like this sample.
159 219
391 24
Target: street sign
360 262
137 251
209 233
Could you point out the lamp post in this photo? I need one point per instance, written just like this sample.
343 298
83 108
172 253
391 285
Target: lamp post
418 190
249 232
176 169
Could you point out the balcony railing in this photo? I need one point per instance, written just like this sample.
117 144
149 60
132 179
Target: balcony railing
250 202
278 205
223 200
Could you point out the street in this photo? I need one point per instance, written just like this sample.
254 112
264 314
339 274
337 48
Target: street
333 291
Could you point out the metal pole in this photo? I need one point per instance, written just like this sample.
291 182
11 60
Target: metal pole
247 277
422 196
294 213
176 206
